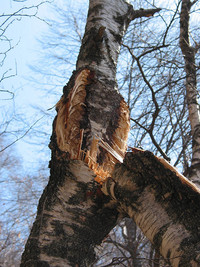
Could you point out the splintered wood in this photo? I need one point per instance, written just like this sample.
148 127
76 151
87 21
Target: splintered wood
71 111
91 159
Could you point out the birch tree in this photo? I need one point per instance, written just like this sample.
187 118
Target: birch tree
189 53
81 202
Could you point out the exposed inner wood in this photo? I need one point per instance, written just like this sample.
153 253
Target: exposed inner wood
70 113
70 135
71 110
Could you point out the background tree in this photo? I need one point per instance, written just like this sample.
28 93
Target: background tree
19 193
189 54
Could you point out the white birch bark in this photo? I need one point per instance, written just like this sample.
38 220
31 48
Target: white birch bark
164 204
191 90
73 215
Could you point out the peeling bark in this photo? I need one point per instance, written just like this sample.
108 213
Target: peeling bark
165 206
191 90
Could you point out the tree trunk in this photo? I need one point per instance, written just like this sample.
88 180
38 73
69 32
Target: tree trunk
73 215
132 243
191 90
164 204
72 218
89 137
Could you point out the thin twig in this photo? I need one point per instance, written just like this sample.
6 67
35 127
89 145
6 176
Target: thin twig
19 138
152 139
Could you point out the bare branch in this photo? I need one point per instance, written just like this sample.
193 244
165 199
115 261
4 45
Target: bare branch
152 139
144 13
19 138
194 2
172 20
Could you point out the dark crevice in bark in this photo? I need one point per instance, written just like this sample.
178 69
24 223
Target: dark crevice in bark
159 235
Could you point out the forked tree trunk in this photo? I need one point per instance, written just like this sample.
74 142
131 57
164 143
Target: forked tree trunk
89 137
191 90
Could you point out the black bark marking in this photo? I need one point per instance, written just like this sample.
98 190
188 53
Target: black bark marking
170 192
157 240
67 88
95 9
91 49
191 248
168 255
99 97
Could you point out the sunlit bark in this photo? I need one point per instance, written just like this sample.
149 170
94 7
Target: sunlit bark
164 204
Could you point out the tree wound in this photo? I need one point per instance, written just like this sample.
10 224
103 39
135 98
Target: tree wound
81 138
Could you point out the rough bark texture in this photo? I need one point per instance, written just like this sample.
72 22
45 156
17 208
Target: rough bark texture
91 104
89 137
191 90
165 206
72 218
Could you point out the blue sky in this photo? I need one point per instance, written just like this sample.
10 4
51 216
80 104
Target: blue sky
25 33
